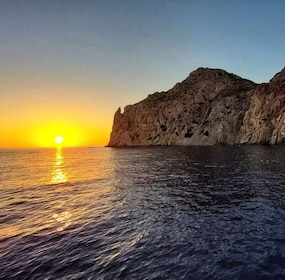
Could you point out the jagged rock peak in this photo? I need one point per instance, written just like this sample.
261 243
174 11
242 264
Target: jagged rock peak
279 77
212 74
206 72
204 81
208 83
206 77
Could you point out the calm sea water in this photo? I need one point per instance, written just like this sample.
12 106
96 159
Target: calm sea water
143 213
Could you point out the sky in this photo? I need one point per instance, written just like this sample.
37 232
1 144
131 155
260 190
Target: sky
67 65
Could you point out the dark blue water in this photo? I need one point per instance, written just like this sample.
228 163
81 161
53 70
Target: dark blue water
143 213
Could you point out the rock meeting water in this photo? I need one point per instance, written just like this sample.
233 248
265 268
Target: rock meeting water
143 213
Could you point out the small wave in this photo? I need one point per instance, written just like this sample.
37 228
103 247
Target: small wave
69 184
15 203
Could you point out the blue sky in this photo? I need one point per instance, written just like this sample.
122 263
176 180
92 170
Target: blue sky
99 55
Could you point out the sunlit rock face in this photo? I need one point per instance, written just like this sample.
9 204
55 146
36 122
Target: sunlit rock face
264 122
209 107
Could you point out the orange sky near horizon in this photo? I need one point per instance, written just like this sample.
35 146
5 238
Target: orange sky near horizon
43 135
34 120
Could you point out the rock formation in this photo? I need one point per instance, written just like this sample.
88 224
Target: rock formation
209 107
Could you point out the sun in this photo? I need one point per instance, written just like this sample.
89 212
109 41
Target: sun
58 140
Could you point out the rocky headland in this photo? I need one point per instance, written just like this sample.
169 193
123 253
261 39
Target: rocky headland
209 107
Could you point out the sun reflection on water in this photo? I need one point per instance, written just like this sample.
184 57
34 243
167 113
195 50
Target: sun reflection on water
59 175
50 199
62 220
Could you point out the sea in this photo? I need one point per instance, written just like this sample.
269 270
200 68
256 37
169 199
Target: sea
214 212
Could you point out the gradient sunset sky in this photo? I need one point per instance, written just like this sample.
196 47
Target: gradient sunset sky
67 65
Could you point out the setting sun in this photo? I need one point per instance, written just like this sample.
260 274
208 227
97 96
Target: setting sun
59 134
58 140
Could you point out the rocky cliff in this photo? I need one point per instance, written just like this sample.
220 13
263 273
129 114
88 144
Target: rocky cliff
209 107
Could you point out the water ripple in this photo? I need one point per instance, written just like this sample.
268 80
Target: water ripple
144 213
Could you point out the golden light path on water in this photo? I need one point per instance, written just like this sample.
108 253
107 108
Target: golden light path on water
61 219
56 189
65 213
59 175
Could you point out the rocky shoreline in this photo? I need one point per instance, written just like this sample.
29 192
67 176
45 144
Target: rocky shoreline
211 106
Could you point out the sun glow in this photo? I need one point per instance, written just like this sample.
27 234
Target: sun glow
59 135
59 140
43 133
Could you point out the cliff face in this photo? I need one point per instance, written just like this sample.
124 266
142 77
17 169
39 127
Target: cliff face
209 107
